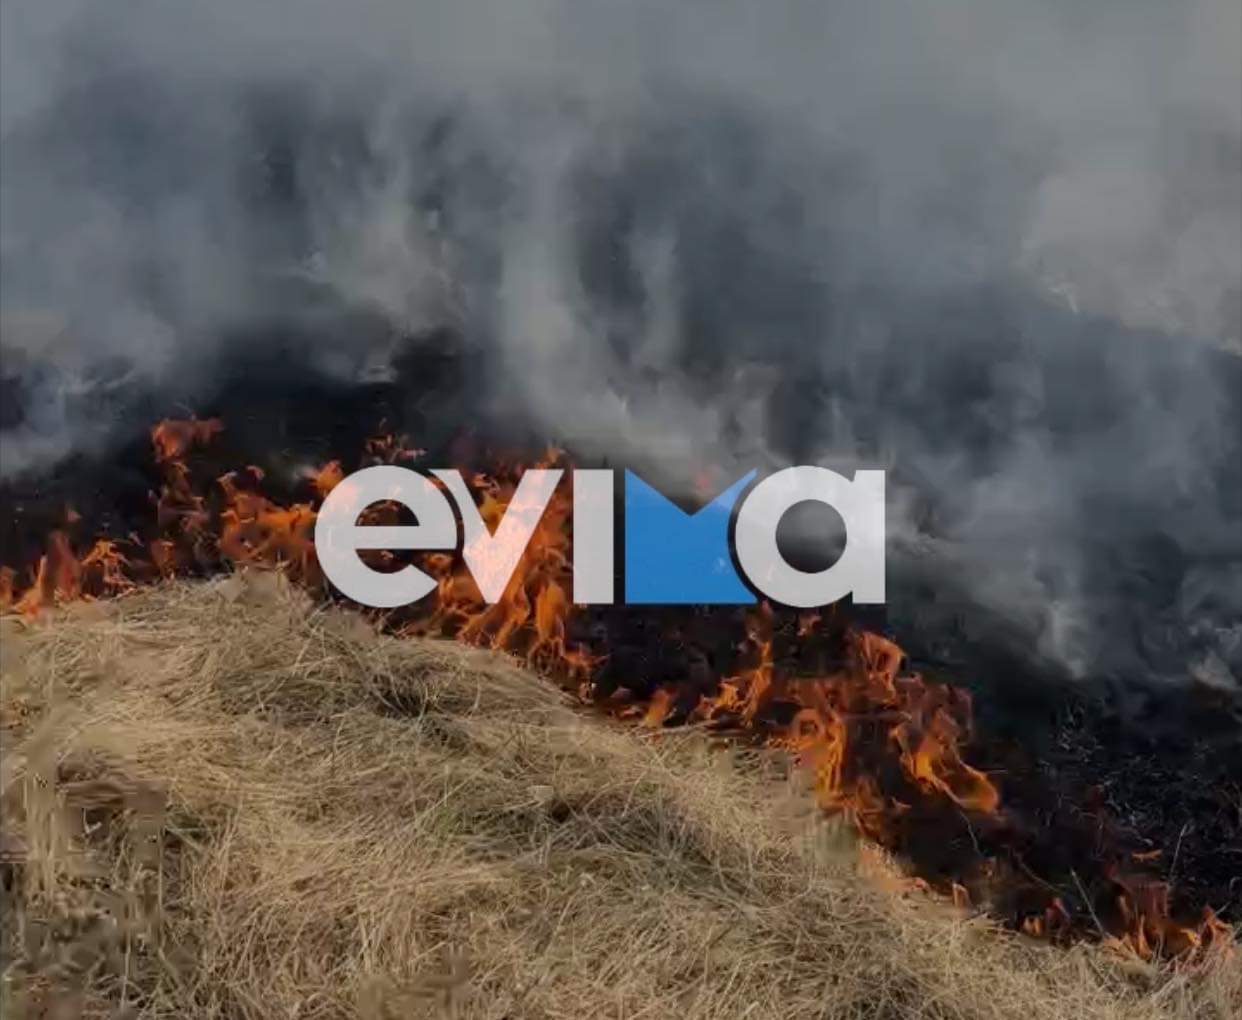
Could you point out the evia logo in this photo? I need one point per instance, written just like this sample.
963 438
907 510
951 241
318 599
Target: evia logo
670 556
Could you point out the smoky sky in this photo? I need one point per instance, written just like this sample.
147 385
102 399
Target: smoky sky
992 246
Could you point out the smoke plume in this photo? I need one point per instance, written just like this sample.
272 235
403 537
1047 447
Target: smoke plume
994 246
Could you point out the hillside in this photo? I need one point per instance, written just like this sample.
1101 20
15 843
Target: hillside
221 801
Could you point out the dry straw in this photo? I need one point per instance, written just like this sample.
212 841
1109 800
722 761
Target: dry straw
220 801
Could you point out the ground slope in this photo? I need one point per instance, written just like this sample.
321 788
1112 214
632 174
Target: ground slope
220 801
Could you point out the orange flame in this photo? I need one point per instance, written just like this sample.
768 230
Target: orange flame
173 439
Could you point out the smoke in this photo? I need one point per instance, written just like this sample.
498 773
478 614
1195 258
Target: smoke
993 246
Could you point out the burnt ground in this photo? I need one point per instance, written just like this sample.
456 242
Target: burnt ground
1099 787
1170 782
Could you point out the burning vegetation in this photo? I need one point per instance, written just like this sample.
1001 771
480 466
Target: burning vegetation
891 751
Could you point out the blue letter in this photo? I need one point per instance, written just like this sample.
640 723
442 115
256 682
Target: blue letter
675 557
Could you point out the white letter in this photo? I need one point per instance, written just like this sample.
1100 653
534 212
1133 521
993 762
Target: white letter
861 567
338 536
492 559
594 510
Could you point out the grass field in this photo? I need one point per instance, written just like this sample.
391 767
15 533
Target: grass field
220 801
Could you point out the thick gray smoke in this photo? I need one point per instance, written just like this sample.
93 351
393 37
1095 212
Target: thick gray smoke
992 245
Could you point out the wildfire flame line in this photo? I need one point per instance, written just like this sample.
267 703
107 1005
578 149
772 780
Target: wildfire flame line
880 744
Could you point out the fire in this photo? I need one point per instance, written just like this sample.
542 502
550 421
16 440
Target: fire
930 740
254 530
61 575
173 439
837 716
327 478
530 617
58 576
881 744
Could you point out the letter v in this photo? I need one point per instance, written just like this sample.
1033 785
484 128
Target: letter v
491 559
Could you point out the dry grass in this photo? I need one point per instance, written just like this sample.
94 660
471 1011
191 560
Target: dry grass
219 802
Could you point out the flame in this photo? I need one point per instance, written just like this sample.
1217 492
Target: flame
327 478
930 739
831 731
531 615
172 439
57 577
256 531
62 576
880 744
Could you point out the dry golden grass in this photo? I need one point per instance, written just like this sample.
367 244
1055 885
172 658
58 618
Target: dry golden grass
221 802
